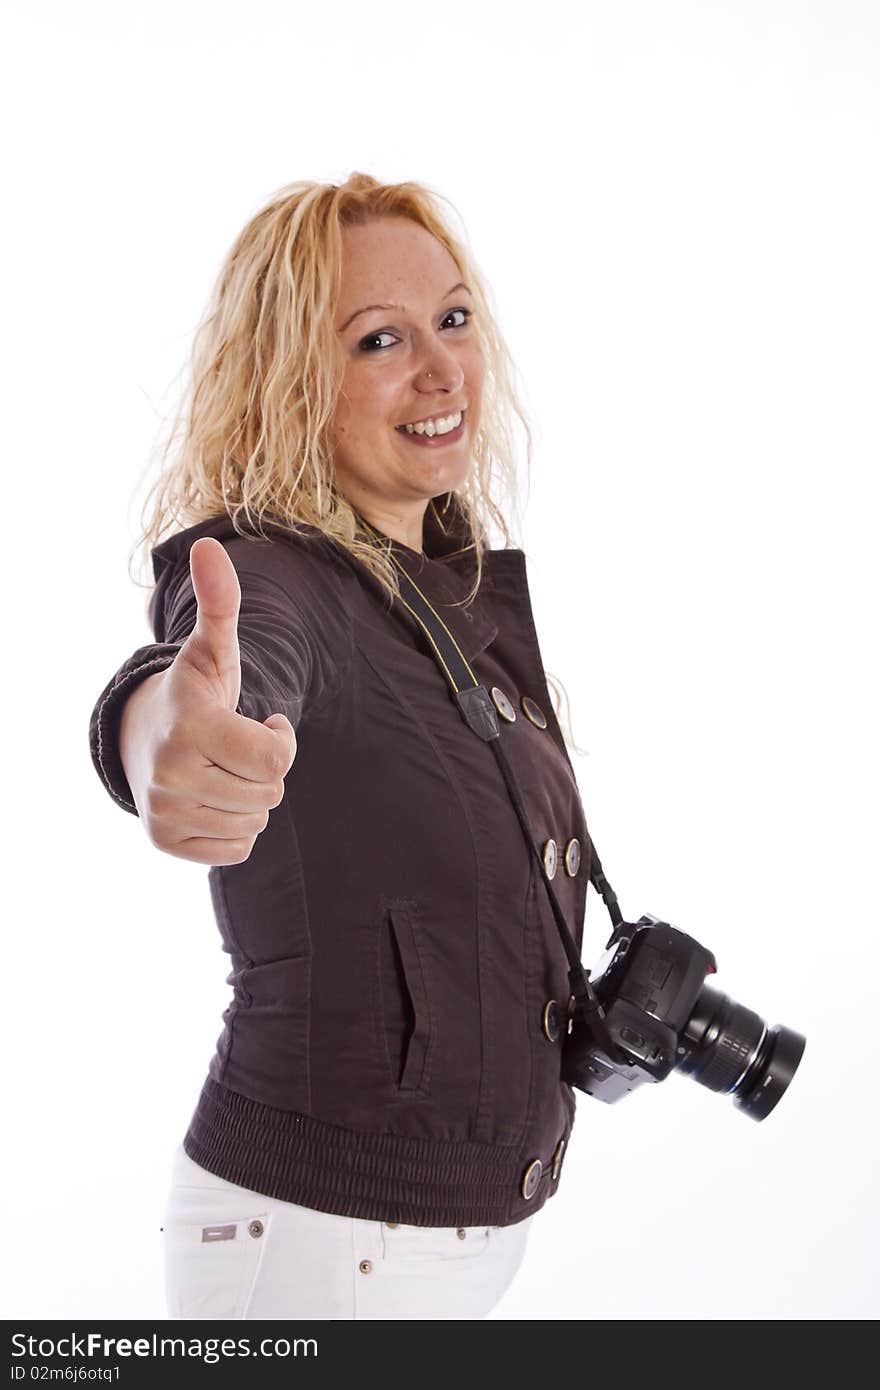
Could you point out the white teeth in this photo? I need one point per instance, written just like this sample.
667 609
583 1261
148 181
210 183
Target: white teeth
440 426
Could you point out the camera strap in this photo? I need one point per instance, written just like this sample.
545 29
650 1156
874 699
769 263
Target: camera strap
478 711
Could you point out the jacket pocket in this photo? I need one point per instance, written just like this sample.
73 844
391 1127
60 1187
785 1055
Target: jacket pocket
406 1013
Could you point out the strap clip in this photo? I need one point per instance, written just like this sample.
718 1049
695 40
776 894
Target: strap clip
478 711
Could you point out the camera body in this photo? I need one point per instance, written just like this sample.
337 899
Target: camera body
649 1012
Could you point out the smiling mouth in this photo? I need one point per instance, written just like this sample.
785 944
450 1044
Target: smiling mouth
436 430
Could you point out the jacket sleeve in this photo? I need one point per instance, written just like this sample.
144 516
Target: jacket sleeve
294 636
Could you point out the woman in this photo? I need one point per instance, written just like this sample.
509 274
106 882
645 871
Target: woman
384 1113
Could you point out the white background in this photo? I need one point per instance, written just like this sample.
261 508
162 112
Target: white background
676 205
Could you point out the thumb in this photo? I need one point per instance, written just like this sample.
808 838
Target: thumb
213 642
287 734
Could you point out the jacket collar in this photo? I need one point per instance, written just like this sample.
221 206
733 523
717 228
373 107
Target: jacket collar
445 572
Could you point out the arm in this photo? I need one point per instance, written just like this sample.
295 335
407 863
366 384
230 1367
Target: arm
295 639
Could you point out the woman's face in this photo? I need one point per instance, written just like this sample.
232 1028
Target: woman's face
415 359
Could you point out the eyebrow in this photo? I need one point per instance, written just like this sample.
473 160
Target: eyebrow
368 307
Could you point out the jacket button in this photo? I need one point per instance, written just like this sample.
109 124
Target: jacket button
531 1179
557 1160
534 712
551 1020
365 1266
572 857
550 858
502 704
461 1233
256 1228
392 1225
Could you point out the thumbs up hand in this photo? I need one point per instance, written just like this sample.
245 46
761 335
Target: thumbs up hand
204 777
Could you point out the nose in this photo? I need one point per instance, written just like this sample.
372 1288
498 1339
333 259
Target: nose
438 370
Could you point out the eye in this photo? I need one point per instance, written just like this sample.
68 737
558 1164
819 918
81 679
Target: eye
365 344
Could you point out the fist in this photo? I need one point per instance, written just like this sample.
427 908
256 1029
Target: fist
204 777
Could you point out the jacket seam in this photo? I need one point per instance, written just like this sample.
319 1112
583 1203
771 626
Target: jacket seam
340 669
234 1006
482 1101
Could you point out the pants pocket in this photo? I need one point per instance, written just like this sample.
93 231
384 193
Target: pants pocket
434 1273
433 1243
214 1246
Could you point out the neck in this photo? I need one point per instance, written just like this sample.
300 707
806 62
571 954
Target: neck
407 528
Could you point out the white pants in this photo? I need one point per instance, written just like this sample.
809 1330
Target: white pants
234 1253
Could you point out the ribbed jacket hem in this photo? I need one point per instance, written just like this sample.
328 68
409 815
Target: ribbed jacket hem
375 1177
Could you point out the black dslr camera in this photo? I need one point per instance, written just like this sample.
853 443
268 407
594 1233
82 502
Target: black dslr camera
646 1011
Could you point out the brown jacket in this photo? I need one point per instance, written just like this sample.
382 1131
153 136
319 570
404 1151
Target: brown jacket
384 1054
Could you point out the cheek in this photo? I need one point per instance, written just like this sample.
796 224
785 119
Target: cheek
348 416
475 369
367 404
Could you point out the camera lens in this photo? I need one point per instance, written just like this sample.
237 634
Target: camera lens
729 1048
767 1079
